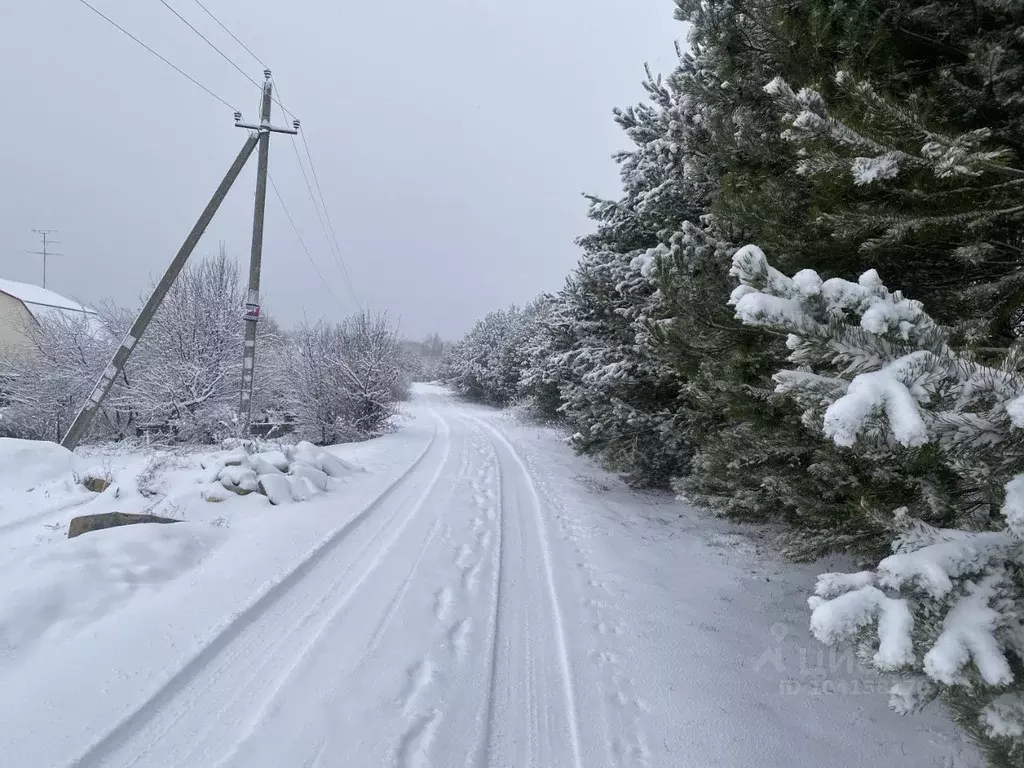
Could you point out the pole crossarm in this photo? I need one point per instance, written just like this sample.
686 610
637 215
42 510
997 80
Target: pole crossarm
266 128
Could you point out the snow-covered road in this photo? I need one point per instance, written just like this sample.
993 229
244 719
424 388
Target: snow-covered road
493 601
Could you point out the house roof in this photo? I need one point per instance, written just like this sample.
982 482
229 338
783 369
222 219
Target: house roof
34 296
42 303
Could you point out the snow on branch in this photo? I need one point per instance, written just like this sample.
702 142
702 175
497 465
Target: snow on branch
968 635
880 374
1004 717
813 311
766 297
885 391
882 124
933 568
834 619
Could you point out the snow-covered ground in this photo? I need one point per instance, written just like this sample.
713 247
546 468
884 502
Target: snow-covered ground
478 596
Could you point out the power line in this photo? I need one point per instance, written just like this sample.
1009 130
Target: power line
327 214
246 48
46 253
332 247
332 244
331 237
162 58
205 39
232 34
309 188
302 242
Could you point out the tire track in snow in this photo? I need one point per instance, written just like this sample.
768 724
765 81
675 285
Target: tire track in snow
389 614
478 756
424 714
625 741
569 696
399 596
122 731
39 518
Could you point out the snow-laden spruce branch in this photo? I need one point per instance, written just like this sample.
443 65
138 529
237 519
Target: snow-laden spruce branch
877 374
876 149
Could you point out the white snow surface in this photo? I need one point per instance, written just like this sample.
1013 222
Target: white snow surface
478 596
26 463
1015 410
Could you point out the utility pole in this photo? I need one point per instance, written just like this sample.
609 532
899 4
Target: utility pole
252 301
260 136
46 252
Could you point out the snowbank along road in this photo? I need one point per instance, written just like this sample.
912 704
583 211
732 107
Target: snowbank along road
496 602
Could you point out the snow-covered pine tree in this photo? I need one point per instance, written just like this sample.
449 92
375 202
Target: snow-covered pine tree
753 458
877 375
596 360
910 138
618 395
547 372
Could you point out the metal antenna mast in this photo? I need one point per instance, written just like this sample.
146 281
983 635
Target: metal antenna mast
252 301
46 252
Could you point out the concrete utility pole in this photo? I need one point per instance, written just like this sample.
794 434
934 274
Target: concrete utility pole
85 416
46 252
261 136
252 301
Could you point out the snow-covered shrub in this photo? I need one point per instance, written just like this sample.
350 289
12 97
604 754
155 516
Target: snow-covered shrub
341 383
488 363
41 389
875 373
182 382
372 352
185 376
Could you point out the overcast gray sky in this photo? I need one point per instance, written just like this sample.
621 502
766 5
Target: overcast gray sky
452 140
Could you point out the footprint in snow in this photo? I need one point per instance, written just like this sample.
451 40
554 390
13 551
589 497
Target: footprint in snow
442 603
419 676
471 578
458 637
462 556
